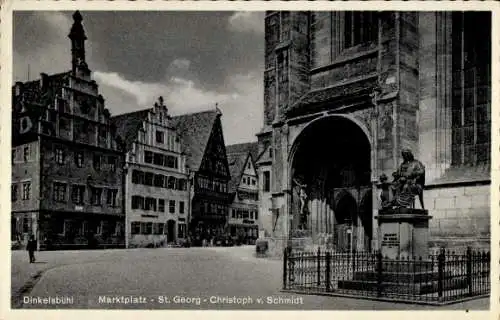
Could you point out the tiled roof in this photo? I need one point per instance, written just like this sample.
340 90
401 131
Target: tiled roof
127 126
251 147
464 174
237 155
236 166
194 130
264 156
318 99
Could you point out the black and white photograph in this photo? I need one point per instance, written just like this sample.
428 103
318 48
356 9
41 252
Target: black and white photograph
336 159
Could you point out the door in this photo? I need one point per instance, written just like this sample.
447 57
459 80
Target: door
170 231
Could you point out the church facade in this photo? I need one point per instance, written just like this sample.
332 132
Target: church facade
345 92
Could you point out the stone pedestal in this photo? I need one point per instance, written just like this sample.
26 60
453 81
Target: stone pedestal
403 232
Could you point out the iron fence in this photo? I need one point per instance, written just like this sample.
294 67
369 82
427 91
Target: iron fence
443 277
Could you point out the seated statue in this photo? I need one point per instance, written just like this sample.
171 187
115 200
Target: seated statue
408 182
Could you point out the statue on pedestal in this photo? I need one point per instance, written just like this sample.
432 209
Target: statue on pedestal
303 210
408 182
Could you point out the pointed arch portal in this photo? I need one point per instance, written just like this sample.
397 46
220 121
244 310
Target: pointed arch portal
332 157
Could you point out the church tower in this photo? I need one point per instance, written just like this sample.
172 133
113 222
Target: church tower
78 37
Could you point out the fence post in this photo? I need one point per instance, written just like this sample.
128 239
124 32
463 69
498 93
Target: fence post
327 271
285 263
469 270
353 261
318 266
379 274
441 259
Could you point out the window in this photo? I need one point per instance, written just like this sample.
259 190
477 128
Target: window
172 162
14 152
161 205
181 207
270 152
26 190
135 227
137 177
158 180
13 192
79 159
182 184
148 228
148 178
253 181
97 162
249 165
172 182
471 88
112 163
160 136
77 194
150 204
26 225
111 198
96 196
59 192
158 159
267 181
158 228
256 214
137 202
26 154
360 27
148 156
244 180
171 206
59 156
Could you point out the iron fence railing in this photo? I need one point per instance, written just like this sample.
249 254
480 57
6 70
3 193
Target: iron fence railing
443 277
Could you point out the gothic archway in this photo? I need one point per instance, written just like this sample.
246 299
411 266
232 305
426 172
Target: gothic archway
331 161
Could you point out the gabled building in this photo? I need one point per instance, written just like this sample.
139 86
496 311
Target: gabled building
243 220
156 181
203 142
67 166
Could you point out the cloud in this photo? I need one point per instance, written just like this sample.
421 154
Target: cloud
247 21
241 103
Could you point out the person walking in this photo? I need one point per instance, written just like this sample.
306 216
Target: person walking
31 247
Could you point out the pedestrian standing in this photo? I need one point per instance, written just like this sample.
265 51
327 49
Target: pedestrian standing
31 247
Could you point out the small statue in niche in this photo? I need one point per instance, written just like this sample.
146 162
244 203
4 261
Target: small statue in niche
303 211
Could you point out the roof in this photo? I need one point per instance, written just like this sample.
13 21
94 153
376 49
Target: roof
33 93
251 147
128 124
464 174
195 130
237 155
264 156
318 99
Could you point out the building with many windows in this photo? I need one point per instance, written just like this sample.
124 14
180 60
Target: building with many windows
345 92
156 182
67 166
243 222
203 142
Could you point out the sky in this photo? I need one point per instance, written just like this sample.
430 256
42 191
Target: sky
193 59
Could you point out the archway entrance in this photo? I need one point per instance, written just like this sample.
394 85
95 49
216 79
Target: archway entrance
331 158
170 231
